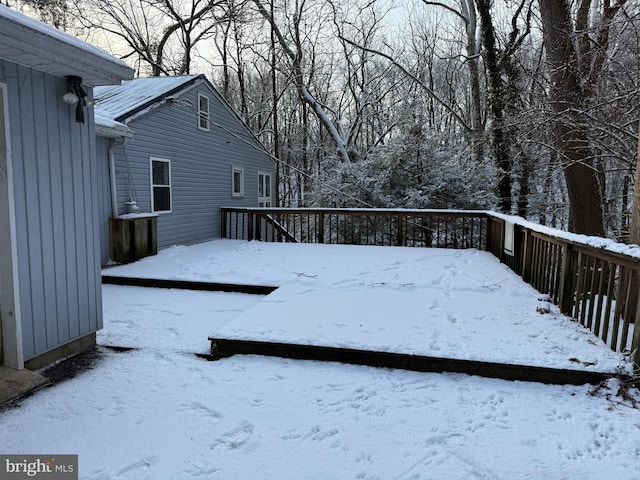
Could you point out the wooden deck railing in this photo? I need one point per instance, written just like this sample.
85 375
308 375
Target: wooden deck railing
598 287
415 228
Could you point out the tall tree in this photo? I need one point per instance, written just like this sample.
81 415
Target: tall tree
635 215
576 49
293 49
496 102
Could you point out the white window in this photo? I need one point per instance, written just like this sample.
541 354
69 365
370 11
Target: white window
203 112
264 189
237 181
160 185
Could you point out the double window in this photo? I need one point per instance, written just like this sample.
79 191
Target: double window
264 189
203 112
160 185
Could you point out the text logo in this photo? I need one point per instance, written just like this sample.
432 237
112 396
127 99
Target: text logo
50 467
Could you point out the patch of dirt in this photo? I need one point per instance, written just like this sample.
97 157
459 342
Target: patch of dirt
78 364
73 366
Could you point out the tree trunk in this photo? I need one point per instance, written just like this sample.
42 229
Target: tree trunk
567 99
274 112
524 175
496 106
635 212
475 100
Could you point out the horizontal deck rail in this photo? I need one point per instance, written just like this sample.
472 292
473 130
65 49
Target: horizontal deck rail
597 286
415 228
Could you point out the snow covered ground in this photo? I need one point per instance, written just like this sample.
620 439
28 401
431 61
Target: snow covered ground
159 412
446 303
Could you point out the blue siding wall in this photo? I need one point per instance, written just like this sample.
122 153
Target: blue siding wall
56 203
201 163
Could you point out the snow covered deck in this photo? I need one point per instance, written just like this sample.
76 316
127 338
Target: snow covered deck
461 305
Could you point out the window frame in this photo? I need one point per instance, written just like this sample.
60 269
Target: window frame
202 114
154 185
236 169
262 182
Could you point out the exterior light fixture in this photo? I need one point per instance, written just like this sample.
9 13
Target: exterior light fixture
75 95
70 98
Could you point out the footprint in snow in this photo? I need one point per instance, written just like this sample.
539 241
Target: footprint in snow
235 438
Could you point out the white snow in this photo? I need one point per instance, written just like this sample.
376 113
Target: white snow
159 412
436 302
55 34
114 101
607 244
111 125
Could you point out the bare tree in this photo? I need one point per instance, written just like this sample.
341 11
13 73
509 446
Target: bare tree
293 49
468 16
576 50
635 216
160 35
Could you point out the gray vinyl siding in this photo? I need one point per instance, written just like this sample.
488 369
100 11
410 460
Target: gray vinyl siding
55 189
201 163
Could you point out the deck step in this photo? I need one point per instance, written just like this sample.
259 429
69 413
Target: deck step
222 348
188 285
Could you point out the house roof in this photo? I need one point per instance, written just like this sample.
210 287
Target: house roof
31 43
119 102
125 102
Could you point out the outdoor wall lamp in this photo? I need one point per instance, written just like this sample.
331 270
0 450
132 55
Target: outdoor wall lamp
75 95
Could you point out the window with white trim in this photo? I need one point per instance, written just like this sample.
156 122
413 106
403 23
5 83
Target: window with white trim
160 185
203 112
237 181
264 189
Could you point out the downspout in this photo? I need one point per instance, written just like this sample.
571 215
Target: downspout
116 143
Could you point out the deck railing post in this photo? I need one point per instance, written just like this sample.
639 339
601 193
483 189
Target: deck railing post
321 227
527 256
567 275
250 226
502 233
487 235
400 240
258 227
633 311
635 342
223 223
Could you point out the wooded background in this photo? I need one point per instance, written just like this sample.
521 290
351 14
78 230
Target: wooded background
528 107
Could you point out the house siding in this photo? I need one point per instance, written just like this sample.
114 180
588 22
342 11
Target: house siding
55 183
200 165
